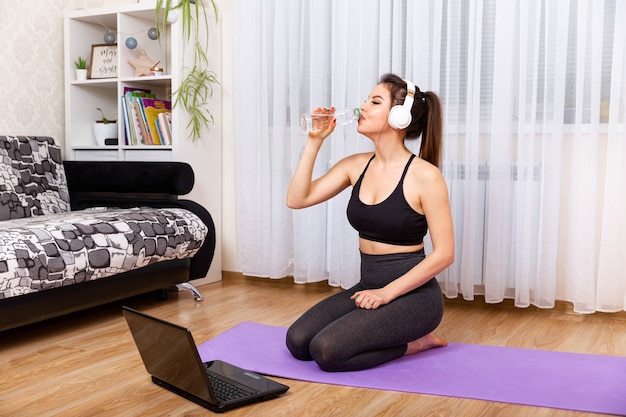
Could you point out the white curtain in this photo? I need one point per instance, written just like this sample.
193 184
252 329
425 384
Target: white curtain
533 93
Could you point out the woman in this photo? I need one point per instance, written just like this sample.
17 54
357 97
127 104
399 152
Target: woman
396 198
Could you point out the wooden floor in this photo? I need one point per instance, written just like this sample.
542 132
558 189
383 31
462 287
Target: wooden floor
86 364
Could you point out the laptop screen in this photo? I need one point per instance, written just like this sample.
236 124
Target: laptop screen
169 353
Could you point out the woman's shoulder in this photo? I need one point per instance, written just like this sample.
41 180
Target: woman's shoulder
357 158
361 156
353 165
424 170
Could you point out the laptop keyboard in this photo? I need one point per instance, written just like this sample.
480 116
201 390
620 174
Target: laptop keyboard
225 390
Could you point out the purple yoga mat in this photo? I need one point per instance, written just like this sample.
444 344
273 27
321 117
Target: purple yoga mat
571 381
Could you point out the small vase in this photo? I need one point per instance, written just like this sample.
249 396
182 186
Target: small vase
81 74
104 131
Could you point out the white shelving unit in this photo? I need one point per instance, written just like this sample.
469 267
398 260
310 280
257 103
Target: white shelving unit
86 27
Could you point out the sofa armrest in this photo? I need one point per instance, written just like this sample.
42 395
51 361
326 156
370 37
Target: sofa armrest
128 184
129 177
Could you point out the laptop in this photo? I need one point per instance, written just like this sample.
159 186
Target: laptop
171 357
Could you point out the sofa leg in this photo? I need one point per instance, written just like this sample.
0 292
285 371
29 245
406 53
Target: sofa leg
189 287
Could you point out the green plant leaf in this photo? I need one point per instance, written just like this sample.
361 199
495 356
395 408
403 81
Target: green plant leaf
104 118
196 88
80 63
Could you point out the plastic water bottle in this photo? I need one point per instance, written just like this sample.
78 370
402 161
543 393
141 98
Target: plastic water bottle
312 121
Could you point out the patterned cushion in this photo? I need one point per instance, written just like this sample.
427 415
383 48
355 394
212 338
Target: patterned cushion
51 251
32 177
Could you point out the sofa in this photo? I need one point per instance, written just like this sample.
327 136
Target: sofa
78 234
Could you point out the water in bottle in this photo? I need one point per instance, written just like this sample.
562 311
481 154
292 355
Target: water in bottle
312 121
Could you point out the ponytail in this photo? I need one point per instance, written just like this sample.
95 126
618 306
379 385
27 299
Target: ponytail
432 135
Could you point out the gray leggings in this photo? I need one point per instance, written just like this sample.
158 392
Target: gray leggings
339 336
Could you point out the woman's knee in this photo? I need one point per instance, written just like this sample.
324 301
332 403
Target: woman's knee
298 344
326 354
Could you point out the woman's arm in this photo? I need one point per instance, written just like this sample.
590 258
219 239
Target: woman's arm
303 190
436 207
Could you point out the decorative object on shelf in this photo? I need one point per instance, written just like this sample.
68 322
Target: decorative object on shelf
143 64
196 87
131 42
104 129
81 68
109 38
103 61
153 34
156 71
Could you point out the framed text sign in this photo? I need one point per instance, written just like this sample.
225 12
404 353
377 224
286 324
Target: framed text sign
103 61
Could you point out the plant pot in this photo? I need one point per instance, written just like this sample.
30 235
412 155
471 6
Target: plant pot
81 74
102 131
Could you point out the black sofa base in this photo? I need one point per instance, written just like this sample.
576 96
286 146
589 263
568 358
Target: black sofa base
35 307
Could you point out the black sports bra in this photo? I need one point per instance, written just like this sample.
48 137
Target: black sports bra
392 220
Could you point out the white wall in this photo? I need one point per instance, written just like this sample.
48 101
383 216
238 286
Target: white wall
31 85
229 230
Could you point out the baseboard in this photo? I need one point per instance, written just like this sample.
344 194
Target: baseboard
231 275
560 307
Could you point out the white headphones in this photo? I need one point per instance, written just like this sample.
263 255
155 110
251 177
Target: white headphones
400 115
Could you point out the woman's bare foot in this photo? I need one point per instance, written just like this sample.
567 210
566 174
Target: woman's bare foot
424 343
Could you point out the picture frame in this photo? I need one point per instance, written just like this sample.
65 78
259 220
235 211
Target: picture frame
103 61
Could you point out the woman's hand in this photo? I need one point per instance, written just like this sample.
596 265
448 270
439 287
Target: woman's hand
323 123
369 299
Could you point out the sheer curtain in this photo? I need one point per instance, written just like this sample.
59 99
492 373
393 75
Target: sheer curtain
534 106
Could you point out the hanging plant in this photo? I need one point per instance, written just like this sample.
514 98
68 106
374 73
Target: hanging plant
196 87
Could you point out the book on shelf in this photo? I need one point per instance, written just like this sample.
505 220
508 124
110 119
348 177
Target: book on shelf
151 108
133 116
141 124
127 136
164 124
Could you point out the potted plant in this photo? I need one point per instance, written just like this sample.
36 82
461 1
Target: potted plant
104 129
81 68
196 87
